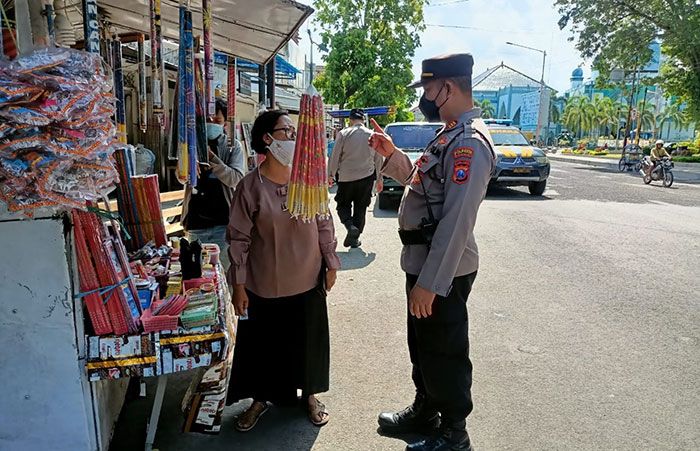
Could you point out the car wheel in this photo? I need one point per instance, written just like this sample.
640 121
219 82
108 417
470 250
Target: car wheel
384 202
537 188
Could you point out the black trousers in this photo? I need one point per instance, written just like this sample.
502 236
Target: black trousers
352 200
283 346
439 349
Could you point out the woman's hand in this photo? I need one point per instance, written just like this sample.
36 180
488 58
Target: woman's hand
240 300
331 276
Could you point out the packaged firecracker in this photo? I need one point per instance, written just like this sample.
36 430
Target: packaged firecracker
56 130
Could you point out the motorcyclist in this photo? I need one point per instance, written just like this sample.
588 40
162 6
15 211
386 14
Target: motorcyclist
657 154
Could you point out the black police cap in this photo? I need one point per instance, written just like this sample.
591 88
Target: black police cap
357 113
445 66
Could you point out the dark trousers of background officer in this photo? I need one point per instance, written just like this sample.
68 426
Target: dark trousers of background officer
352 200
439 349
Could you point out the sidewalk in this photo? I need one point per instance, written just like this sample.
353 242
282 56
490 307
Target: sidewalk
689 171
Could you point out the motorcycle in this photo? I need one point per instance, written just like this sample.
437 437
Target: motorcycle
663 171
631 158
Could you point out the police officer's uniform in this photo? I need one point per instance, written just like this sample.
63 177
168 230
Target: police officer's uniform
436 218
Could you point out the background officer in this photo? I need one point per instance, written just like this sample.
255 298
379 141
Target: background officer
355 166
440 257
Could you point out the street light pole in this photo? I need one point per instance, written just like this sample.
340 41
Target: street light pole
542 89
311 64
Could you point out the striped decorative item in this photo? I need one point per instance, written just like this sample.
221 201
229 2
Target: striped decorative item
307 197
208 58
120 115
157 68
143 106
99 316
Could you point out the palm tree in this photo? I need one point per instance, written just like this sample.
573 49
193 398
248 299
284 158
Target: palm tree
578 115
673 115
646 116
554 113
605 114
487 109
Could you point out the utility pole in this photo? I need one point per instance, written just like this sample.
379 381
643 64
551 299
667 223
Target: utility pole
629 110
640 116
542 89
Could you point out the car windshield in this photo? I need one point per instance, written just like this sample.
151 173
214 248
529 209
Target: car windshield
412 136
508 137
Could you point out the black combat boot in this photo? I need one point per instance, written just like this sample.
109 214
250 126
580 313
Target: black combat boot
452 436
351 239
417 418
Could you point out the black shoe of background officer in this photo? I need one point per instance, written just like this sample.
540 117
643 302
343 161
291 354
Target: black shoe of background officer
416 418
351 239
452 436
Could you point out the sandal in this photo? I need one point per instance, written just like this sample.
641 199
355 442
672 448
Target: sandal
318 414
248 419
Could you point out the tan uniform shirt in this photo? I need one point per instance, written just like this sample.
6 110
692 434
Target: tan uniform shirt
658 154
352 158
271 253
455 169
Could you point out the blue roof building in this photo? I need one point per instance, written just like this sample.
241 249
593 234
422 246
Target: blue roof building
514 96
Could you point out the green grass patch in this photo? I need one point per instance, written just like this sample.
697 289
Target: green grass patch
688 159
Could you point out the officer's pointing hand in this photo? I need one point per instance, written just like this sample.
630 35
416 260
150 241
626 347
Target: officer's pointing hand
380 141
420 302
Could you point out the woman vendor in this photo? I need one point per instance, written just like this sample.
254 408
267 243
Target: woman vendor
281 269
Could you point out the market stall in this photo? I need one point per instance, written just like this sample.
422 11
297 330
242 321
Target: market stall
95 295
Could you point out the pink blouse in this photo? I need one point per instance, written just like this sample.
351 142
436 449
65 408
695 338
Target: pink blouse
273 254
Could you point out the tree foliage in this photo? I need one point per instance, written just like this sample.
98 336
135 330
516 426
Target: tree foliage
605 115
672 116
617 34
579 115
370 43
487 108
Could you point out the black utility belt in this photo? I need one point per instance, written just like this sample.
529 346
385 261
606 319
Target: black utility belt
423 236
409 237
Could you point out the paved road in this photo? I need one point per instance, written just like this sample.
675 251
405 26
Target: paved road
585 329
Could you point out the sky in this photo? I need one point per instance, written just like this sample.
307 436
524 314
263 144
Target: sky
490 23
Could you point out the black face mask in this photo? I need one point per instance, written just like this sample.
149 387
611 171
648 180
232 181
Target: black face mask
430 108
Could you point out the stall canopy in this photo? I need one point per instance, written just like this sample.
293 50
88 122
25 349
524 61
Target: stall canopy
282 66
371 111
251 29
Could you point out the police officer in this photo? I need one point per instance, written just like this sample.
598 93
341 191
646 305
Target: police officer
355 167
440 257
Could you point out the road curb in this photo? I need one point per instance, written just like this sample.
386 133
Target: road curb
584 160
600 162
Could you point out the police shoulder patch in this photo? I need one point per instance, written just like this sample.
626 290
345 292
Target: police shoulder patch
463 152
460 174
443 140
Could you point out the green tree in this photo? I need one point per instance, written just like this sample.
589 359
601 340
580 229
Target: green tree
554 113
646 115
617 34
487 109
579 115
371 43
607 115
673 115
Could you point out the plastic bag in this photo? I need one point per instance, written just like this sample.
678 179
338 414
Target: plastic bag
56 131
